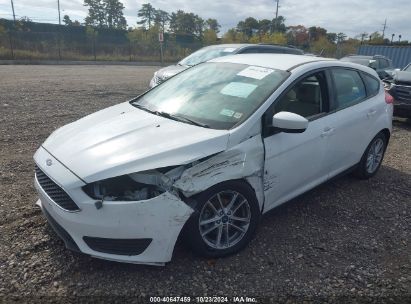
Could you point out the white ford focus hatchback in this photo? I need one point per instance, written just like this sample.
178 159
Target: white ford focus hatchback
207 152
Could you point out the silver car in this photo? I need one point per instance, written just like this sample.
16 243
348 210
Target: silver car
214 51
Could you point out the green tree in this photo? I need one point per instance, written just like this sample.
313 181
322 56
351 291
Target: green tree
147 15
212 24
114 14
316 32
161 18
332 37
323 47
96 13
264 26
186 23
67 20
209 37
232 36
278 25
248 26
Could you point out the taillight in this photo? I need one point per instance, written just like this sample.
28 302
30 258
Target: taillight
388 98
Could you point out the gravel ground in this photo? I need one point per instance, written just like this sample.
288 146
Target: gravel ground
345 241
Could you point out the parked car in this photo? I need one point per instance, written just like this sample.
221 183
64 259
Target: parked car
383 65
207 153
214 51
399 86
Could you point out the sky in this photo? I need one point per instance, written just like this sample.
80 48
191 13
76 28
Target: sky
351 17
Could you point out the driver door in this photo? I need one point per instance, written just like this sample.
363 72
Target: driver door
294 162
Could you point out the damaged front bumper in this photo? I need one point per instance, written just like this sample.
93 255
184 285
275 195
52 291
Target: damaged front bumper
143 231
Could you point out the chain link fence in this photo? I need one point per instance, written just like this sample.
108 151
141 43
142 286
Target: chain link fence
88 45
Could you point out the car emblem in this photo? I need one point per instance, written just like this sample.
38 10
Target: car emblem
49 162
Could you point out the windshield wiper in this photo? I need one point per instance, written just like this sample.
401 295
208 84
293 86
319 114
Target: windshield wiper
170 116
189 120
180 118
137 105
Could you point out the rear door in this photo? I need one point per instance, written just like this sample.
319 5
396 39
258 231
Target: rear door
350 127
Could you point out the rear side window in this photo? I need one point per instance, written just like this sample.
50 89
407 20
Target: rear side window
373 85
349 88
249 51
383 63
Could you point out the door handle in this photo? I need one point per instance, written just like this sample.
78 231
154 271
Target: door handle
327 132
371 113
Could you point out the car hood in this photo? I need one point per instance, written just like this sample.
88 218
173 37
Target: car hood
123 139
402 76
170 71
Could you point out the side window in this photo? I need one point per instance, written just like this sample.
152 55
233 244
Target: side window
250 51
271 51
349 87
306 98
383 63
373 85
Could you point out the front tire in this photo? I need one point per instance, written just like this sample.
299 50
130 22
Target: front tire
372 157
225 219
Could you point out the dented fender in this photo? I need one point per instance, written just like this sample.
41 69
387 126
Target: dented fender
243 161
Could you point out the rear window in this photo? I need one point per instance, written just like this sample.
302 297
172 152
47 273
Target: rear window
373 85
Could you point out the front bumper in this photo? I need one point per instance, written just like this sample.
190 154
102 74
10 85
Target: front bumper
149 228
402 100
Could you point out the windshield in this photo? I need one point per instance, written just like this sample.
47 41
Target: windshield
408 68
214 94
206 54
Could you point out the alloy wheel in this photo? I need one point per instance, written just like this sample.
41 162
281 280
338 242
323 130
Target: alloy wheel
375 154
224 219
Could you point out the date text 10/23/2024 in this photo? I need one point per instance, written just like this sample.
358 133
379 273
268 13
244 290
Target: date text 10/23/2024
204 299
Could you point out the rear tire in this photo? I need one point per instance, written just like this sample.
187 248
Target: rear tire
372 157
225 219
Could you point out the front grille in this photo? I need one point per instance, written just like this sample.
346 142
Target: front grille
403 92
58 195
117 246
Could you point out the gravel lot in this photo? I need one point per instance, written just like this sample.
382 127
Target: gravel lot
347 240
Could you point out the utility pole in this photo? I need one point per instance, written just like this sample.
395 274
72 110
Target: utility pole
59 32
384 27
58 7
10 31
14 15
276 11
276 16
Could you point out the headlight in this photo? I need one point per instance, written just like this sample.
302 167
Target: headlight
135 186
122 188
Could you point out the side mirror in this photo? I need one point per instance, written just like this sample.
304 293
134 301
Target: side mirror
289 122
373 64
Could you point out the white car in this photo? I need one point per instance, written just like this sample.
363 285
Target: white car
207 152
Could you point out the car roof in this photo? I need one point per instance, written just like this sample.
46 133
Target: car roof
366 56
242 45
227 45
274 61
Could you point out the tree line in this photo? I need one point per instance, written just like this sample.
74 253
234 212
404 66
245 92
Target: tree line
105 27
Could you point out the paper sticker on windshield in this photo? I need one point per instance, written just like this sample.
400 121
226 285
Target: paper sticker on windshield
255 72
227 112
229 50
238 89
